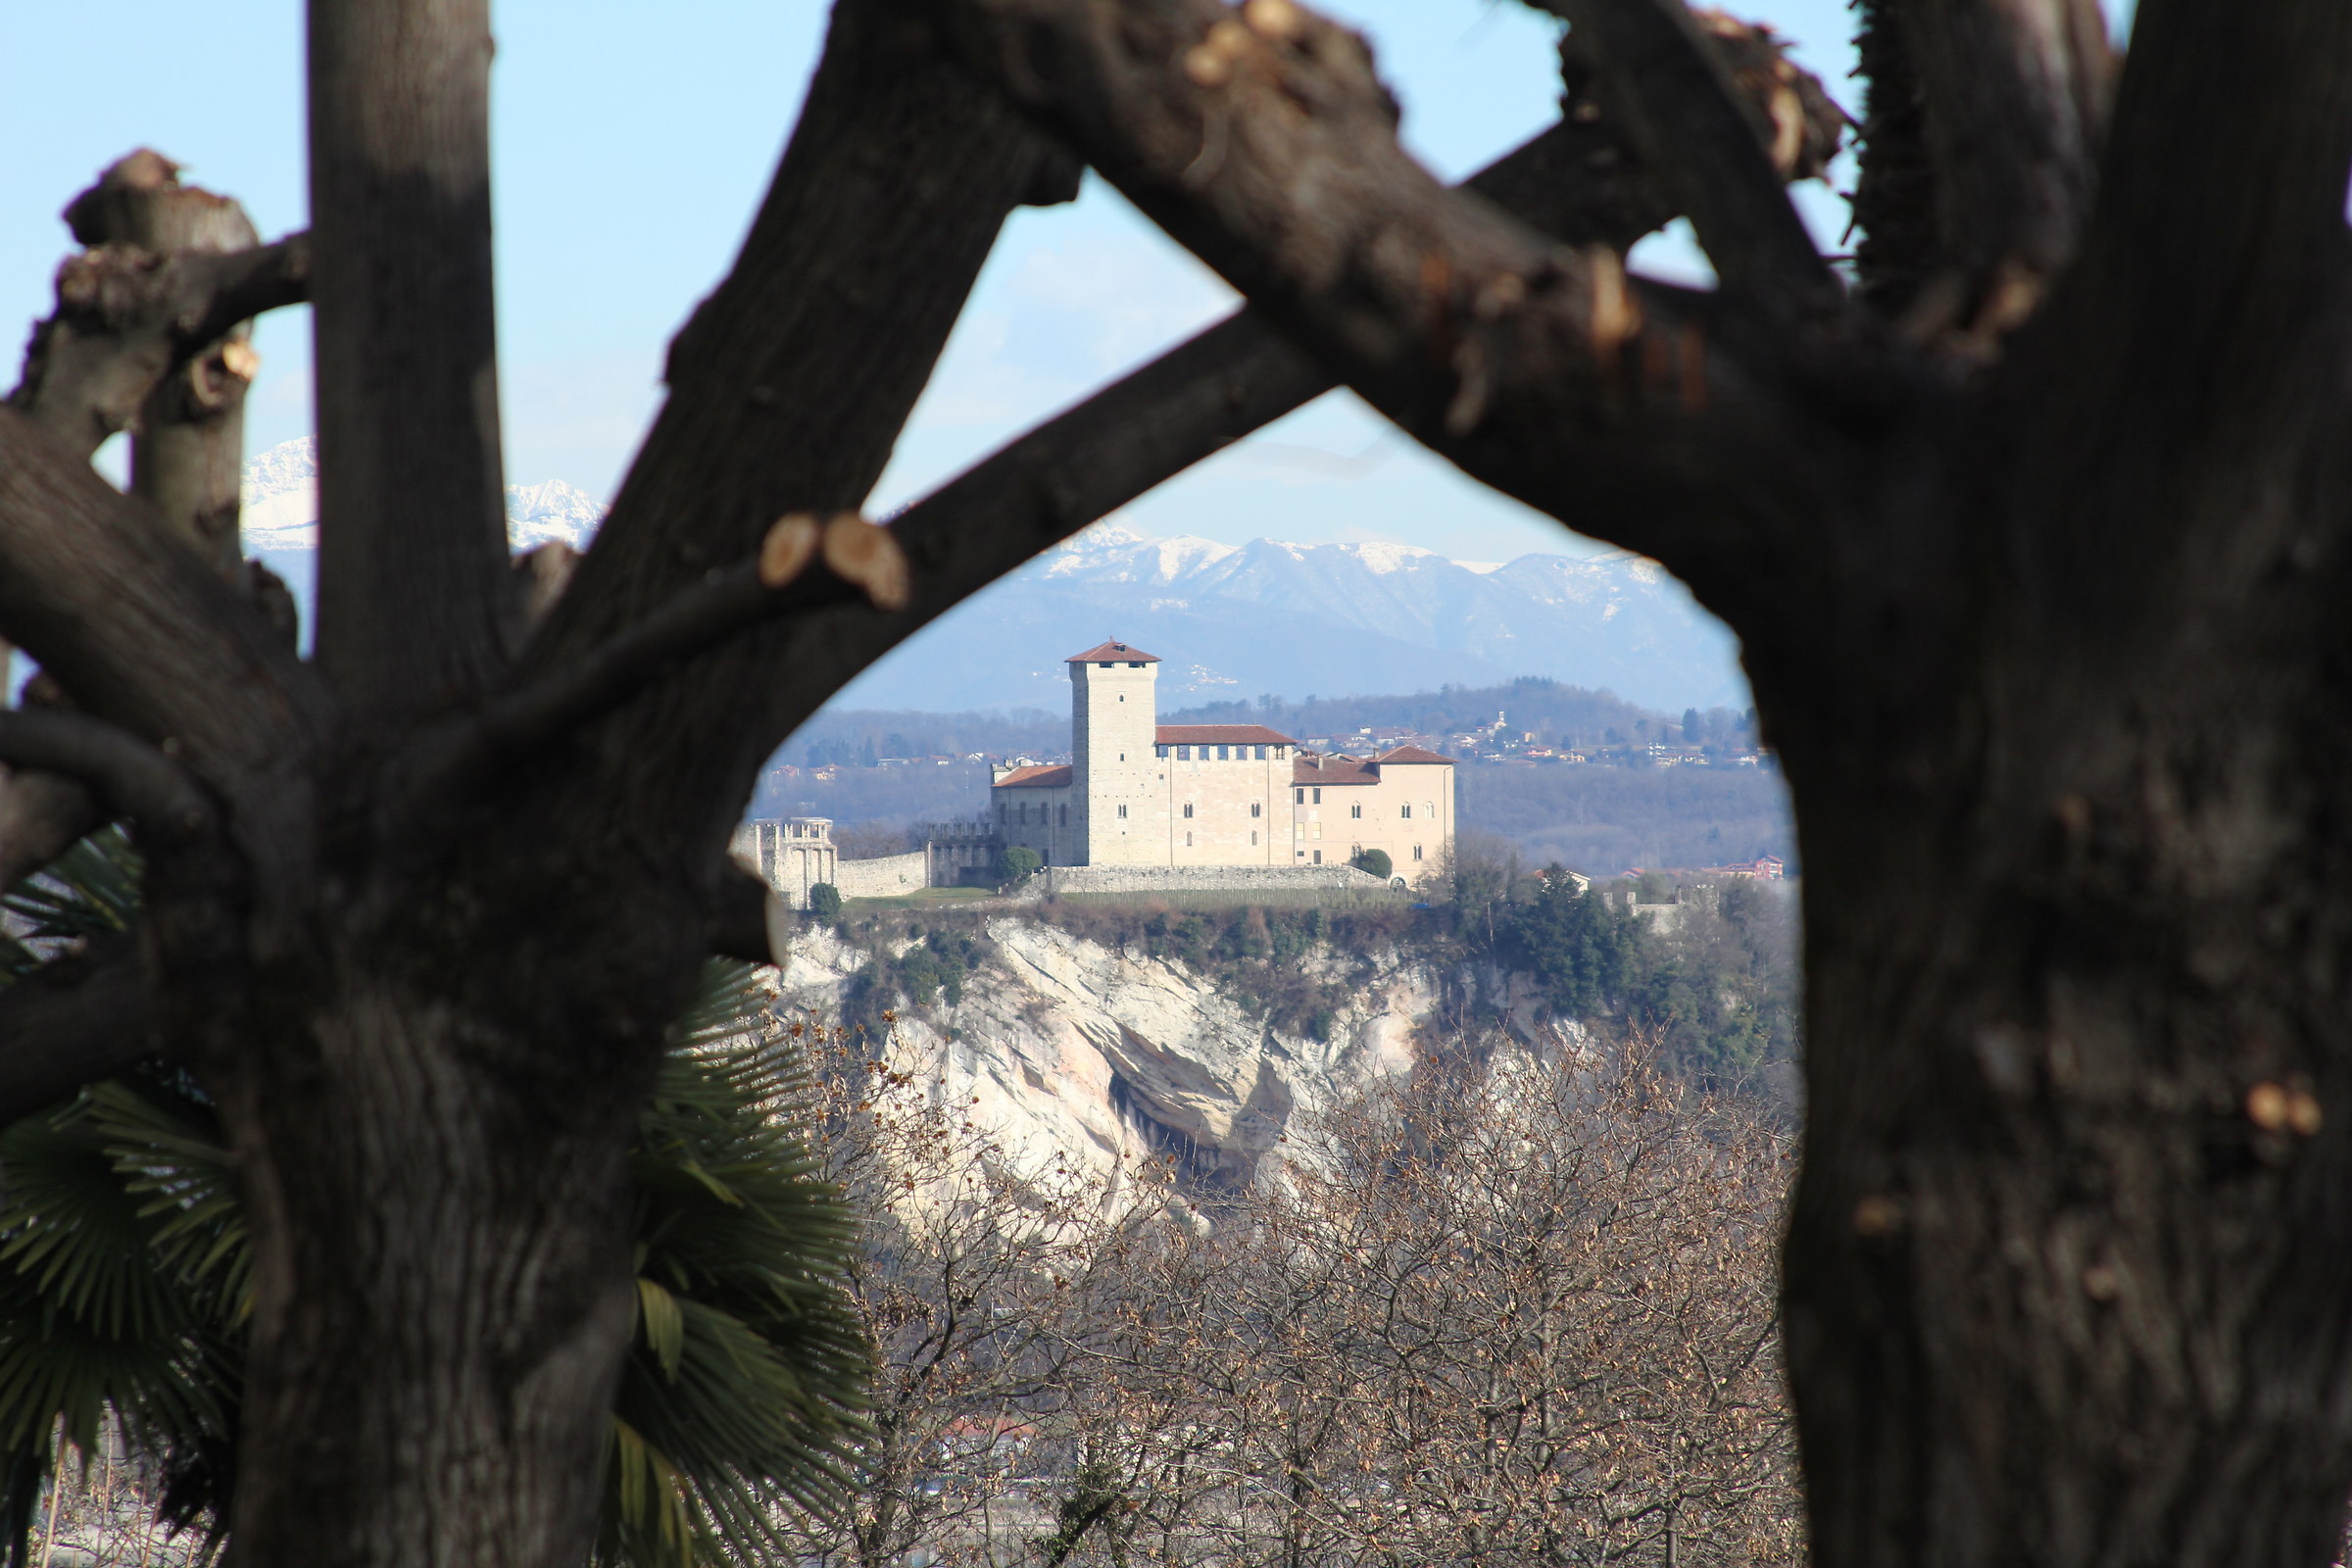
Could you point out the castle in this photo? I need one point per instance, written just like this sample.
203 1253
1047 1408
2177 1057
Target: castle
1140 793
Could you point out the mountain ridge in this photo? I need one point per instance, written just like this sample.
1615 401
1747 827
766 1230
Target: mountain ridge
1230 620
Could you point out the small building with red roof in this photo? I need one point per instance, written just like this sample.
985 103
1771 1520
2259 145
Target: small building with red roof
1140 793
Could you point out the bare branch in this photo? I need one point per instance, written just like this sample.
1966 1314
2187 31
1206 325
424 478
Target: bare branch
125 319
788 389
134 627
41 814
858 564
412 534
2231 151
187 448
1685 427
1576 181
2013 95
1707 144
73 1021
135 779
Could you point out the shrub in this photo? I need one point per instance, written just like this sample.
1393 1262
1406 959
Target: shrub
1375 862
824 903
1015 863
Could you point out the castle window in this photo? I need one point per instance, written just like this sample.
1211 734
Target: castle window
1355 811
1301 794
1134 664
1184 753
1188 841
1224 753
1110 665
1253 836
1316 830
1318 796
1261 753
1065 816
1188 807
1281 752
1160 751
1122 813
1257 807
1407 811
1004 812
1416 852
1122 757
1429 809
1318 857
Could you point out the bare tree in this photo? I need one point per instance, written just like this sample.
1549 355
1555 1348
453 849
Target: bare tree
1511 1313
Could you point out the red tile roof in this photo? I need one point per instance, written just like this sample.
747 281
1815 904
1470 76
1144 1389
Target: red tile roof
1112 654
1035 778
1411 753
1221 735
1335 769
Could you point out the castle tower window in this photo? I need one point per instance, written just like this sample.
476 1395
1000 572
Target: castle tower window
1407 811
1224 753
1261 753
1188 841
1184 753
1160 751
1356 810
1281 753
1318 796
1253 836
1416 852
1122 813
1065 816
1188 807
1257 807
1301 794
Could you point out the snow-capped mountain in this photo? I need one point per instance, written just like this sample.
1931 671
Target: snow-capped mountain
281 506
1233 620
1230 620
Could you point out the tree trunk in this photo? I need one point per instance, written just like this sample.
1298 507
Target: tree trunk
2065 1277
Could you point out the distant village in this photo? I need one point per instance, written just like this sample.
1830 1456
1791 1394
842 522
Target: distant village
1499 744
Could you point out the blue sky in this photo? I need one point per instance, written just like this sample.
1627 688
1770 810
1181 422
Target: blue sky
632 142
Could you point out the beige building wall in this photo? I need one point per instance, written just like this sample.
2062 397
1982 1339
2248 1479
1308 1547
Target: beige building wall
1226 810
1043 818
1114 713
1407 811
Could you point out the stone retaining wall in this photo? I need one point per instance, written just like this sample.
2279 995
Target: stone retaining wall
884 878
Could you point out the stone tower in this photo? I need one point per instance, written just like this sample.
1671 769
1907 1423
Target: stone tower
1114 722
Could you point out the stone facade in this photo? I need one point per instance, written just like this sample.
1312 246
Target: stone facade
1140 793
1056 880
791 856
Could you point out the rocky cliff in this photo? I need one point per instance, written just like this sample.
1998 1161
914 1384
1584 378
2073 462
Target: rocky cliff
1073 1049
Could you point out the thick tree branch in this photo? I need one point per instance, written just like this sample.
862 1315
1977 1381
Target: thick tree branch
187 449
73 1021
2014 97
787 390
135 627
2224 189
412 533
1709 145
1682 426
41 815
132 777
1577 181
801 565
127 319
